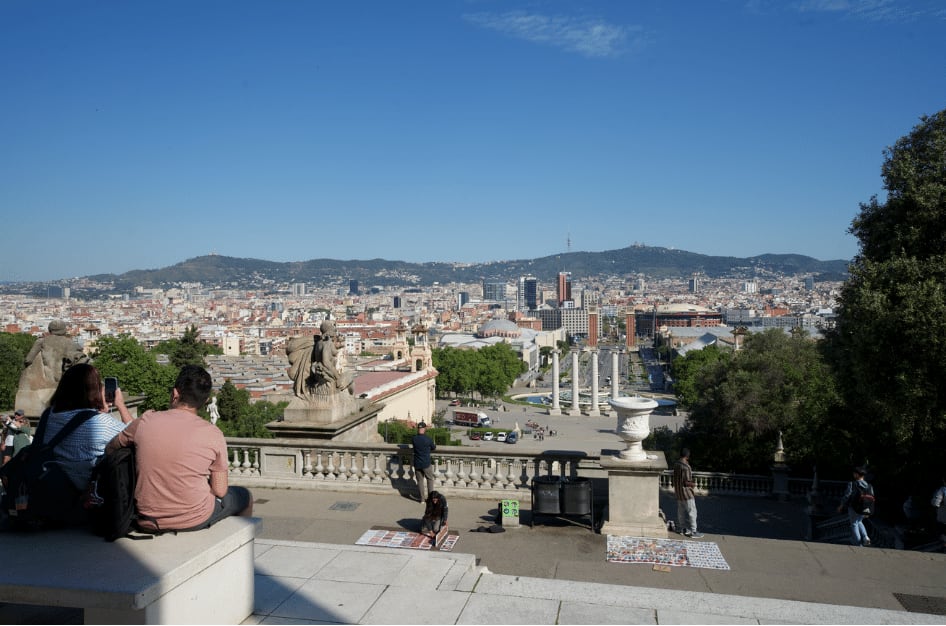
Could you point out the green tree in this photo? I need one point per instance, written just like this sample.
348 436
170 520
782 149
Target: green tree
137 370
690 371
889 344
13 349
738 405
498 369
188 350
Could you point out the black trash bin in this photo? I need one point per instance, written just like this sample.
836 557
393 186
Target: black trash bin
576 496
546 495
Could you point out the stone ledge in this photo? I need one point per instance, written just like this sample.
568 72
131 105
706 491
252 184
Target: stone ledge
127 578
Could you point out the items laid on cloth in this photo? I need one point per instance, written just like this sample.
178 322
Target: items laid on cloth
676 552
398 538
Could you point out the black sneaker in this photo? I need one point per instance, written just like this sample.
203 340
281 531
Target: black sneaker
696 535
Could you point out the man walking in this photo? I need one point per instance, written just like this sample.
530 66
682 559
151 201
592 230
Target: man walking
182 462
686 499
423 466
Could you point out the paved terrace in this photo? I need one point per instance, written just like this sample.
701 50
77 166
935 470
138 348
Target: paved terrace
310 571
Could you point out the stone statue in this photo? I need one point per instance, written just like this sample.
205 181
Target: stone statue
213 410
316 366
49 357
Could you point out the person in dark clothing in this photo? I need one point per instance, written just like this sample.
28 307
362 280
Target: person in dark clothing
423 466
434 522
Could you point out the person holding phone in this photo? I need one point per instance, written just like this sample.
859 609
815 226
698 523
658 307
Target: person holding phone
81 388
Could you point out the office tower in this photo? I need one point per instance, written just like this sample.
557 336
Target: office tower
809 283
462 298
353 287
694 284
528 296
397 302
494 290
564 292
298 289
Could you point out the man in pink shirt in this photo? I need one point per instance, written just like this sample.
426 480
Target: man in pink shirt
182 462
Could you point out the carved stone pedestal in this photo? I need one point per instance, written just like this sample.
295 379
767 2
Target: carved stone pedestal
339 417
634 496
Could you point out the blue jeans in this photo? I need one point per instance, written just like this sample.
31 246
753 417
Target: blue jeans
858 531
686 515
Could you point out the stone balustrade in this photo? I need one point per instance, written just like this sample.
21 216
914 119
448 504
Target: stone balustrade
379 468
469 472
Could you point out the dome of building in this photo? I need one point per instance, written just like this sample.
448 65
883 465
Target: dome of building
499 328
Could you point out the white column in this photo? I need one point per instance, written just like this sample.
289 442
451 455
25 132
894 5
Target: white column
574 410
556 409
593 409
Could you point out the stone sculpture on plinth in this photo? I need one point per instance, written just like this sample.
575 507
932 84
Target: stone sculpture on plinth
323 404
49 357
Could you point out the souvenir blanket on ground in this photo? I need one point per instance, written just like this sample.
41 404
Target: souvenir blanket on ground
400 538
675 552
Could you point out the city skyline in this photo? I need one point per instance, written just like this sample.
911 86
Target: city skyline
138 135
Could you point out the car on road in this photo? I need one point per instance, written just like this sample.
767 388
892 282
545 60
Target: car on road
475 437
501 437
488 435
512 437
455 402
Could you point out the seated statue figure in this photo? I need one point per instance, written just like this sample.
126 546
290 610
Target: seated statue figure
49 357
327 377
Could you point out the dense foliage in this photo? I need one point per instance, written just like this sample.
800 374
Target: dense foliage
13 349
889 347
739 402
241 418
137 370
188 350
488 371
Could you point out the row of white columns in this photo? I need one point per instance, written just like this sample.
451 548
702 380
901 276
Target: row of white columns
593 410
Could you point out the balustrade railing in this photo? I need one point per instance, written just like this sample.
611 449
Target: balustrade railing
318 464
379 468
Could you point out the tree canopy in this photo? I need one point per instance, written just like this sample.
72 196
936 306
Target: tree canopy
488 371
13 349
188 350
137 370
889 345
740 401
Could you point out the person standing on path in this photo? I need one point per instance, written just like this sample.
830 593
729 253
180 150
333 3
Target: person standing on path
423 466
850 499
683 489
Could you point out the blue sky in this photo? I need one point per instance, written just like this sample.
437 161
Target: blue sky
139 134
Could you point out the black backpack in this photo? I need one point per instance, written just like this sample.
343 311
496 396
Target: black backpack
110 498
38 492
862 500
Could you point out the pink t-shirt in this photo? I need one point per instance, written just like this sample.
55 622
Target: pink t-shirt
176 450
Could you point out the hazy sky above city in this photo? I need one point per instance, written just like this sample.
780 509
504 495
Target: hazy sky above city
139 134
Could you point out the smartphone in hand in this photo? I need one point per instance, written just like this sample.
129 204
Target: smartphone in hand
111 384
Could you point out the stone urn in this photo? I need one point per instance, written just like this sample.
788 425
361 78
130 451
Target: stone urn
633 424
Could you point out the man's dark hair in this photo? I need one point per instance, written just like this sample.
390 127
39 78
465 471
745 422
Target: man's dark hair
193 385
685 453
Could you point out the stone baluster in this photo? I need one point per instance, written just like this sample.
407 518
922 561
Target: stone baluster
255 469
379 473
366 473
524 478
330 473
499 474
307 463
246 461
235 463
462 479
475 476
343 472
448 474
319 469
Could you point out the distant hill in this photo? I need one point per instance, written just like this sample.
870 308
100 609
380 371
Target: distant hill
653 262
